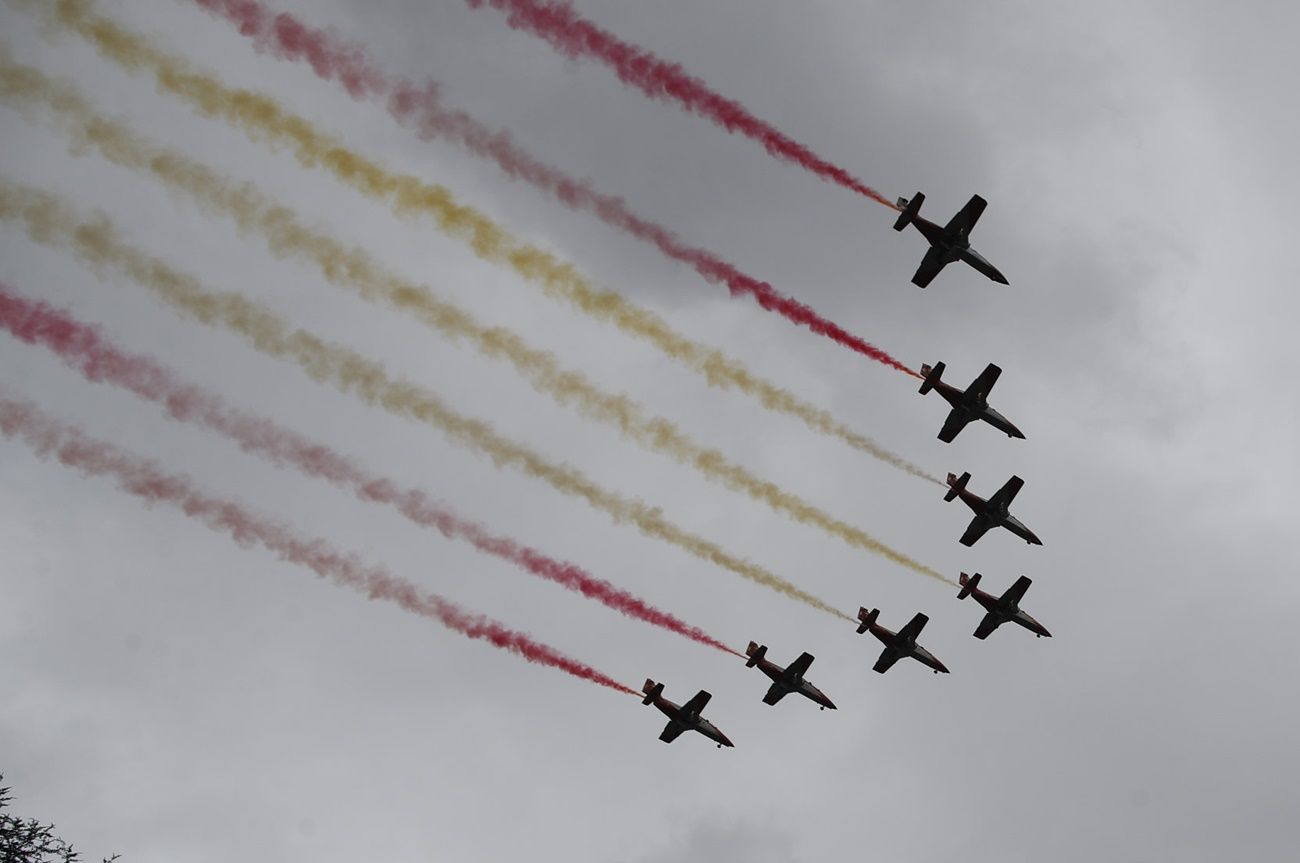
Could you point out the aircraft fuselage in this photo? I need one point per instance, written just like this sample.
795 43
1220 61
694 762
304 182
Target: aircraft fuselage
1009 612
904 647
794 682
976 407
690 721
955 246
998 517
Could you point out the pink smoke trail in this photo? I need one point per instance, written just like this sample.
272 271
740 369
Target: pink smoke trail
575 37
419 106
50 439
85 348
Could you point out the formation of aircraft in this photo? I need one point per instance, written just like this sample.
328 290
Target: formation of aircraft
990 513
1000 609
949 243
898 644
968 405
788 679
683 717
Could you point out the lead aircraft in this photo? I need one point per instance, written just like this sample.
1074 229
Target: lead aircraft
683 717
949 243
989 513
899 644
788 679
968 405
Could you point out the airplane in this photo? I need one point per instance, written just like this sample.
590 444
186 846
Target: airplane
899 644
1000 608
949 243
788 679
684 717
989 513
969 405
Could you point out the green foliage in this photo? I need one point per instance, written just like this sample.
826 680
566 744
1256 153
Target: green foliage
30 841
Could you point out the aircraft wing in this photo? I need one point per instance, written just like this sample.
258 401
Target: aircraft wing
671 732
982 384
978 527
987 625
957 420
914 627
800 665
1006 494
696 704
886 661
967 216
775 693
931 264
1017 590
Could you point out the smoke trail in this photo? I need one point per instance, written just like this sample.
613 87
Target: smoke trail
85 348
265 120
420 106
575 36
356 269
24 422
96 243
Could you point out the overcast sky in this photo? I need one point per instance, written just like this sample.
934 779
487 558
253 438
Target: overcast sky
173 697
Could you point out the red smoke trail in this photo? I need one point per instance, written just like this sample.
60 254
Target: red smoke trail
50 439
419 106
575 37
85 348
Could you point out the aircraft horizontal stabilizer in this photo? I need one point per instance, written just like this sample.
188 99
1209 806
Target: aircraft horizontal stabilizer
968 583
910 209
957 486
932 376
867 618
652 691
755 652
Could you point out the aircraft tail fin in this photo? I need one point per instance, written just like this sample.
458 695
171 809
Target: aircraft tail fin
957 484
652 691
932 375
910 209
968 584
867 618
755 652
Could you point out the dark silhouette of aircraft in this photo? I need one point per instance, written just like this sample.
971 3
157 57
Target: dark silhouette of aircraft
989 513
899 644
788 679
1000 609
949 243
684 717
972 404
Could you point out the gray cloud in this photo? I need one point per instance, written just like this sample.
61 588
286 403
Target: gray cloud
174 697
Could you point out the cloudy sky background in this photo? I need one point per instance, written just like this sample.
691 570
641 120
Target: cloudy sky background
174 697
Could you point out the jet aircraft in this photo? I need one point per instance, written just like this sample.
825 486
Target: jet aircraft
969 405
1002 608
785 680
899 644
947 244
989 513
684 717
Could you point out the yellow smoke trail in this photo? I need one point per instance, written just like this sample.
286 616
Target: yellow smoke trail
95 241
354 268
264 120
